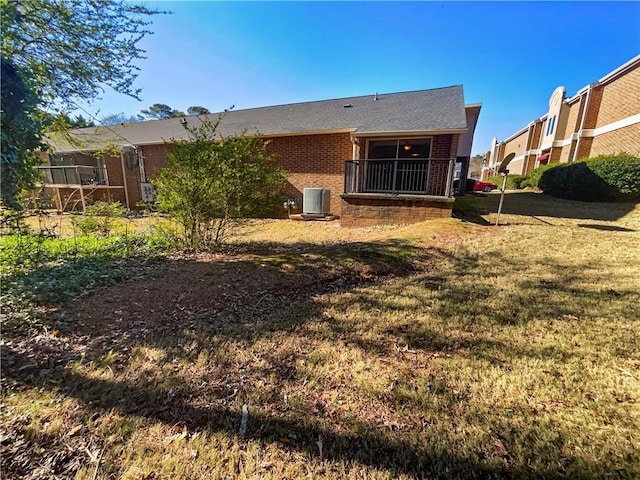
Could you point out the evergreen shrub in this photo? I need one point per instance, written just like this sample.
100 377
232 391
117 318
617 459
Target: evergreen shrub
600 179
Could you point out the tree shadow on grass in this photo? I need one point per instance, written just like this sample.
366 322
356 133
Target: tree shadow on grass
364 444
606 228
264 292
533 204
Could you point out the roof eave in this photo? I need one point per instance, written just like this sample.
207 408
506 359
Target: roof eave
162 141
412 133
308 132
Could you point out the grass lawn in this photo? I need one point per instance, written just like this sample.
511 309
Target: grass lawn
450 349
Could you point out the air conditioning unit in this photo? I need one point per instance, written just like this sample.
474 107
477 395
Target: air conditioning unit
316 201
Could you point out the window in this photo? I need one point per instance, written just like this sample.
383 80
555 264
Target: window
551 125
131 157
69 168
399 148
62 159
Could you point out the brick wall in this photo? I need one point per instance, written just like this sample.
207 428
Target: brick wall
314 161
134 193
620 98
365 211
444 146
516 145
113 165
155 158
516 167
622 140
567 153
608 103
573 119
70 197
593 107
556 153
584 148
537 135
455 140
530 163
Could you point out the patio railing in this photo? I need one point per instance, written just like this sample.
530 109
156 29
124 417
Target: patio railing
74 175
420 176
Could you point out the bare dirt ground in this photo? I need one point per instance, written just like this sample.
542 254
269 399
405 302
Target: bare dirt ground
269 267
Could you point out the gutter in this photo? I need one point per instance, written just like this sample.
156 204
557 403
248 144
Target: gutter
124 180
410 133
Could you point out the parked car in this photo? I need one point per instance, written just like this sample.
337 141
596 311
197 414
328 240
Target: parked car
472 185
468 187
484 187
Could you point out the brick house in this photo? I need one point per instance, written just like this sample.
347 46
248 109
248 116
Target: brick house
385 158
602 118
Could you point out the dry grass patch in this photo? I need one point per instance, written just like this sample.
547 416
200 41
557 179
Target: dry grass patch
263 231
465 352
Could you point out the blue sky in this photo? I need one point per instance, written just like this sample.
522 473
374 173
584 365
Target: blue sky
508 56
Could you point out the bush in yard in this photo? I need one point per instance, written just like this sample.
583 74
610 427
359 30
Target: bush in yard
514 182
603 178
533 179
98 218
211 181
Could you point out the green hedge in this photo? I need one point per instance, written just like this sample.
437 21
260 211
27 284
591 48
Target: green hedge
534 177
514 182
599 179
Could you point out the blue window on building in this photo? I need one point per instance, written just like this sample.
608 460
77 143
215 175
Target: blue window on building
551 125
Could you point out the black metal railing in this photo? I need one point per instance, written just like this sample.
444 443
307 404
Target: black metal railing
420 176
74 175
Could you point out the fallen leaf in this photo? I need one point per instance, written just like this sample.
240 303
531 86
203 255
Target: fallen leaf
74 430
93 456
499 449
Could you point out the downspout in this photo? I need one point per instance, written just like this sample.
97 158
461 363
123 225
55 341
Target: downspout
582 120
528 146
355 172
492 157
143 176
124 180
354 150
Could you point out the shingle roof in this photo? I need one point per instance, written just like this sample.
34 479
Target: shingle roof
423 111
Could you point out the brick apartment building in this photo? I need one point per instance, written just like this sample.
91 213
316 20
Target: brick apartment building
385 158
602 118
